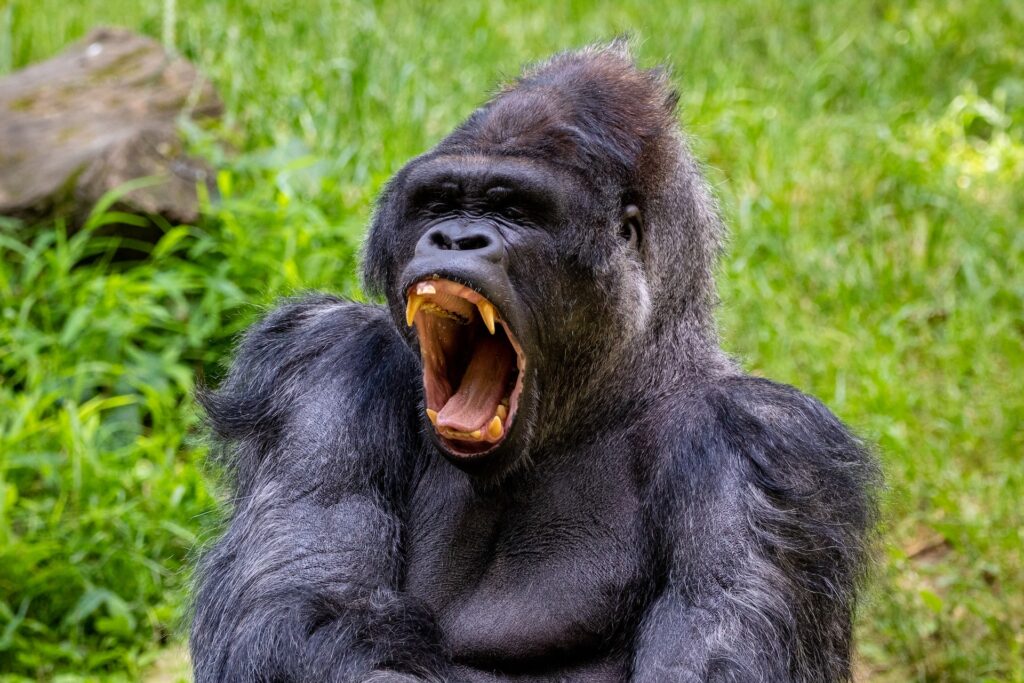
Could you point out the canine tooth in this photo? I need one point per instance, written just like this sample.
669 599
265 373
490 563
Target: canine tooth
415 301
494 427
432 416
425 288
502 412
487 313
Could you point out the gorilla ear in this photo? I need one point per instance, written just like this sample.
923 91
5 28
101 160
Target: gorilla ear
631 226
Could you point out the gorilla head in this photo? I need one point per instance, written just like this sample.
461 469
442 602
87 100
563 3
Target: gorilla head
554 255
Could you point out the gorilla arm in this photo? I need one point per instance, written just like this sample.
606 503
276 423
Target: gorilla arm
302 587
772 500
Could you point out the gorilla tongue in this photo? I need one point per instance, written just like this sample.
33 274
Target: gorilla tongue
482 387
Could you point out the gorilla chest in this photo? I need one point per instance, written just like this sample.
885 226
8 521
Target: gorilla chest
550 569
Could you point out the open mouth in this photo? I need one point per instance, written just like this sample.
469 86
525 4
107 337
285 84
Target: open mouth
473 366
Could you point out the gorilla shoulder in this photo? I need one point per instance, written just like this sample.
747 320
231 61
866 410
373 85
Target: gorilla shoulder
788 441
799 428
794 479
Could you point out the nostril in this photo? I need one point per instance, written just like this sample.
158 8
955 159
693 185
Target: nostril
471 242
440 240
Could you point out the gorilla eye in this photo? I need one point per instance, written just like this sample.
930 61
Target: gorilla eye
505 202
436 198
512 213
499 194
631 227
499 198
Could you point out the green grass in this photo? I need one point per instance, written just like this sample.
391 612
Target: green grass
870 161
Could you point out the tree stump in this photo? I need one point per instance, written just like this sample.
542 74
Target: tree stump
99 114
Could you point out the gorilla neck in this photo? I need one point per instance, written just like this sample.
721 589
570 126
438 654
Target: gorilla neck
613 387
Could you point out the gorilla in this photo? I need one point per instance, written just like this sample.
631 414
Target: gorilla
534 462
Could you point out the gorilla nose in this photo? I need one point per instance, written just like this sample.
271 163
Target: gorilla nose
479 241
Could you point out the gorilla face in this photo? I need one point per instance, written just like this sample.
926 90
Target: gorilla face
502 272
480 225
476 339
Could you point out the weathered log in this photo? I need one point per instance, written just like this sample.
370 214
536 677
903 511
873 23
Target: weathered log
99 114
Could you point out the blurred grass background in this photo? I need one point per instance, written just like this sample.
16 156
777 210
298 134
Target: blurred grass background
870 161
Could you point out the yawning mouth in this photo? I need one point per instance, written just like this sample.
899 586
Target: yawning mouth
473 366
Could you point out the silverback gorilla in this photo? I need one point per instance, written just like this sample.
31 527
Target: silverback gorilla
534 463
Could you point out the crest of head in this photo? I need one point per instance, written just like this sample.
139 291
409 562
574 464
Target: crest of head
591 108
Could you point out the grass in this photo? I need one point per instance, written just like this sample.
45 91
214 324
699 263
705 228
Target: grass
870 161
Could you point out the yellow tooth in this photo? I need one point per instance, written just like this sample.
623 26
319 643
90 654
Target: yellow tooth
494 427
425 288
477 434
502 412
415 301
487 313
432 416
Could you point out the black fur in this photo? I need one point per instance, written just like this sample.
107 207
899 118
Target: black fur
656 515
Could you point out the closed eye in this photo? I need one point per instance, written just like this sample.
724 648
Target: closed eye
513 212
443 197
518 205
437 206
